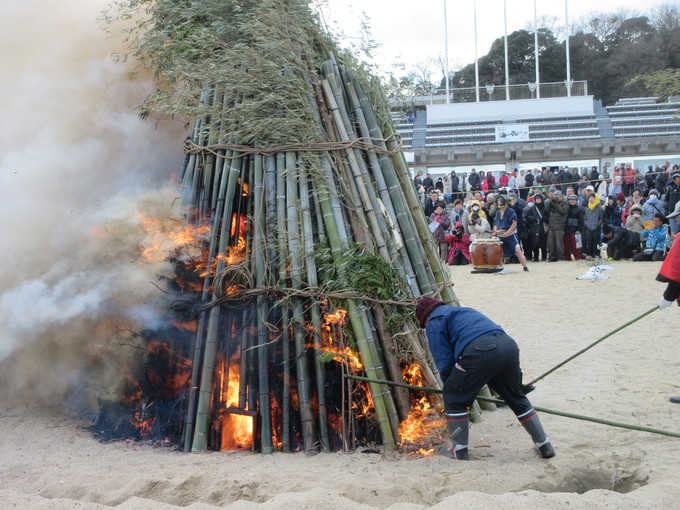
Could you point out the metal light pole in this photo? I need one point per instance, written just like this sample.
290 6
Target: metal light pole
476 59
538 81
507 71
566 17
446 54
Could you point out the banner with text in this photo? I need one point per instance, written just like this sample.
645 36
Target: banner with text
512 133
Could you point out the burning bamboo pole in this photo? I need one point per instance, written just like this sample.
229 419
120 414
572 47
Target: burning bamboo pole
259 252
312 280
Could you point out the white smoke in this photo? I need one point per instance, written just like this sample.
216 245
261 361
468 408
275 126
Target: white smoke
76 166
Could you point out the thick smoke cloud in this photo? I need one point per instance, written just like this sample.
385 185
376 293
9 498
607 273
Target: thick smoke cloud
77 167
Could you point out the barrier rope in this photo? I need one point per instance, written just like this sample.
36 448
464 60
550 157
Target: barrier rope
537 408
547 185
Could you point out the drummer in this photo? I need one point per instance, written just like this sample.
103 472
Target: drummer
505 229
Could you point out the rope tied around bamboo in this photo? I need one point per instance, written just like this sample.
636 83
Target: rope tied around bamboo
365 144
237 292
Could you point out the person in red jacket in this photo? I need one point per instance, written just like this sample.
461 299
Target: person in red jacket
459 252
670 274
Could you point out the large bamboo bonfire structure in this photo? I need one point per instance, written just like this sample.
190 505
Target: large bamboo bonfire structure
294 164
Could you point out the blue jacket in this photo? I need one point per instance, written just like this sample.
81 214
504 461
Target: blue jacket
656 238
450 328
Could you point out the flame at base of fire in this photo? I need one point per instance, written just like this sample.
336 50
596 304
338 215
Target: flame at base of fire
237 432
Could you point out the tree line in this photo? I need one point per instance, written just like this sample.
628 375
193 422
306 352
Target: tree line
622 54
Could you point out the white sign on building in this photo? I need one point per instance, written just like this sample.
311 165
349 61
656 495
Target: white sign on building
512 133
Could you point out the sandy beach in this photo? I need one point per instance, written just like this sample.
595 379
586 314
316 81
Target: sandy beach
52 461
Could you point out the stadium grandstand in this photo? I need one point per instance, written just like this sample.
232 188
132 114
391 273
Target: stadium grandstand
565 124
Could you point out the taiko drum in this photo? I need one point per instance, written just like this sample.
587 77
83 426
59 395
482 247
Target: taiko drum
486 253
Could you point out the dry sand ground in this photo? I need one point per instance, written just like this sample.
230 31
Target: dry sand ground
50 461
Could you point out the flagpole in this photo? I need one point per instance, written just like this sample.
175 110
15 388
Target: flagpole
566 17
476 59
538 81
446 54
507 71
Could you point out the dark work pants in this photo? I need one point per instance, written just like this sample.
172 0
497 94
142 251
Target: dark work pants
492 360
590 240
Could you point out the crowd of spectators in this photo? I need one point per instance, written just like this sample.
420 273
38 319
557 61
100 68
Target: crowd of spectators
555 214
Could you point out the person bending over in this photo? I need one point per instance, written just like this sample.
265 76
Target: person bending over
470 351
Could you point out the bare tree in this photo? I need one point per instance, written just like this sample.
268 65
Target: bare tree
552 23
665 18
604 25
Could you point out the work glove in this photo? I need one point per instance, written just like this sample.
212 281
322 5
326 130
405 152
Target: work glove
664 303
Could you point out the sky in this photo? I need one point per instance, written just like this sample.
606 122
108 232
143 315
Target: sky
411 31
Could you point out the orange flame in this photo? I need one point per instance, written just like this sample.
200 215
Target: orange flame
423 422
342 354
237 430
163 236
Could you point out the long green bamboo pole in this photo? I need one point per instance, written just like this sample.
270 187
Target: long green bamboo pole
259 223
283 278
200 442
406 214
200 331
302 368
355 167
312 280
587 348
332 230
400 259
537 408
440 272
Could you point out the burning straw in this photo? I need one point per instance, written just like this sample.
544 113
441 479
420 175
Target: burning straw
294 163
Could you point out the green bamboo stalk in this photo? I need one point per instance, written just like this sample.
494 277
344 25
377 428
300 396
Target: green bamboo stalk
200 334
401 398
313 282
611 423
302 369
440 272
355 167
332 231
406 215
262 308
283 278
604 337
200 442
376 166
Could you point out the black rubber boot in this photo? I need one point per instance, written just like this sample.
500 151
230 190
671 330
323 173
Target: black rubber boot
459 429
532 424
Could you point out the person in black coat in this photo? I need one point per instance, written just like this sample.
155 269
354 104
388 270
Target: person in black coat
431 203
528 183
573 226
620 242
672 198
474 181
535 223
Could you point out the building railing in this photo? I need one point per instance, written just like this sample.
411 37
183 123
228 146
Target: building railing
498 93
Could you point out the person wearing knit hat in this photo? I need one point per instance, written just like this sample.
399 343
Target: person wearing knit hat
470 350
652 206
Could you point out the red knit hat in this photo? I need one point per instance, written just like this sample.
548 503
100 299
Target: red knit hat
621 197
425 307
